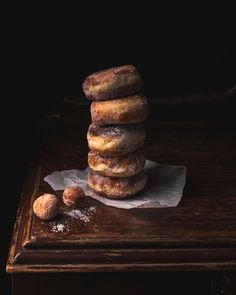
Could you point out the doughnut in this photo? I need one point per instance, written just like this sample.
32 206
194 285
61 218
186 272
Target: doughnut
121 166
46 206
115 140
116 187
125 110
112 83
73 195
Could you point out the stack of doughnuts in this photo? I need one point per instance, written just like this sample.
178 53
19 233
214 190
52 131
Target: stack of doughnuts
116 134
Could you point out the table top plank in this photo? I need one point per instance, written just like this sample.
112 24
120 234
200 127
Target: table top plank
204 219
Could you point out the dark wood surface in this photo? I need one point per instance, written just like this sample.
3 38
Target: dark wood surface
184 283
198 234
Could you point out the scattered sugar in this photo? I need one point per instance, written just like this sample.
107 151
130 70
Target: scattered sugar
83 215
60 227
91 210
64 224
78 214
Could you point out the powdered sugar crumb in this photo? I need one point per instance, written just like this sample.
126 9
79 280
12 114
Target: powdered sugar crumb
91 209
83 215
60 227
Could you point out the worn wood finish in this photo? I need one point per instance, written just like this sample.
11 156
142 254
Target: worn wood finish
199 234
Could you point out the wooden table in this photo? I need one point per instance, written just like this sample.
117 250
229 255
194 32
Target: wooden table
190 248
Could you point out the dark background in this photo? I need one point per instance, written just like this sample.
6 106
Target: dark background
48 51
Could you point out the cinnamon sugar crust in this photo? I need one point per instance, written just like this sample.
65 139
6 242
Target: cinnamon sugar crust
117 187
112 83
120 166
125 110
46 206
115 140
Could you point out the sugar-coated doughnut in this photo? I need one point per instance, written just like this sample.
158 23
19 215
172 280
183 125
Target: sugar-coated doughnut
116 187
72 196
46 206
115 140
119 166
112 83
125 110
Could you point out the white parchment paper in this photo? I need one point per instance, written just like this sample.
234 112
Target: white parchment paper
164 187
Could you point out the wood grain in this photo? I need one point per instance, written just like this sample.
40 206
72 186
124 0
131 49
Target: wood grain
198 234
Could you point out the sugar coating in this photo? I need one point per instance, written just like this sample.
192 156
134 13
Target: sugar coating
116 140
119 166
112 83
72 196
125 110
46 206
116 187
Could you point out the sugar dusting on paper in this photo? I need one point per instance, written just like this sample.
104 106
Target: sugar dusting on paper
164 187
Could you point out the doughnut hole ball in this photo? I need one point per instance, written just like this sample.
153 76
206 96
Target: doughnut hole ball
46 207
72 196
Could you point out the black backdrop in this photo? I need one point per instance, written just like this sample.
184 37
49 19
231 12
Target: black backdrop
50 50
